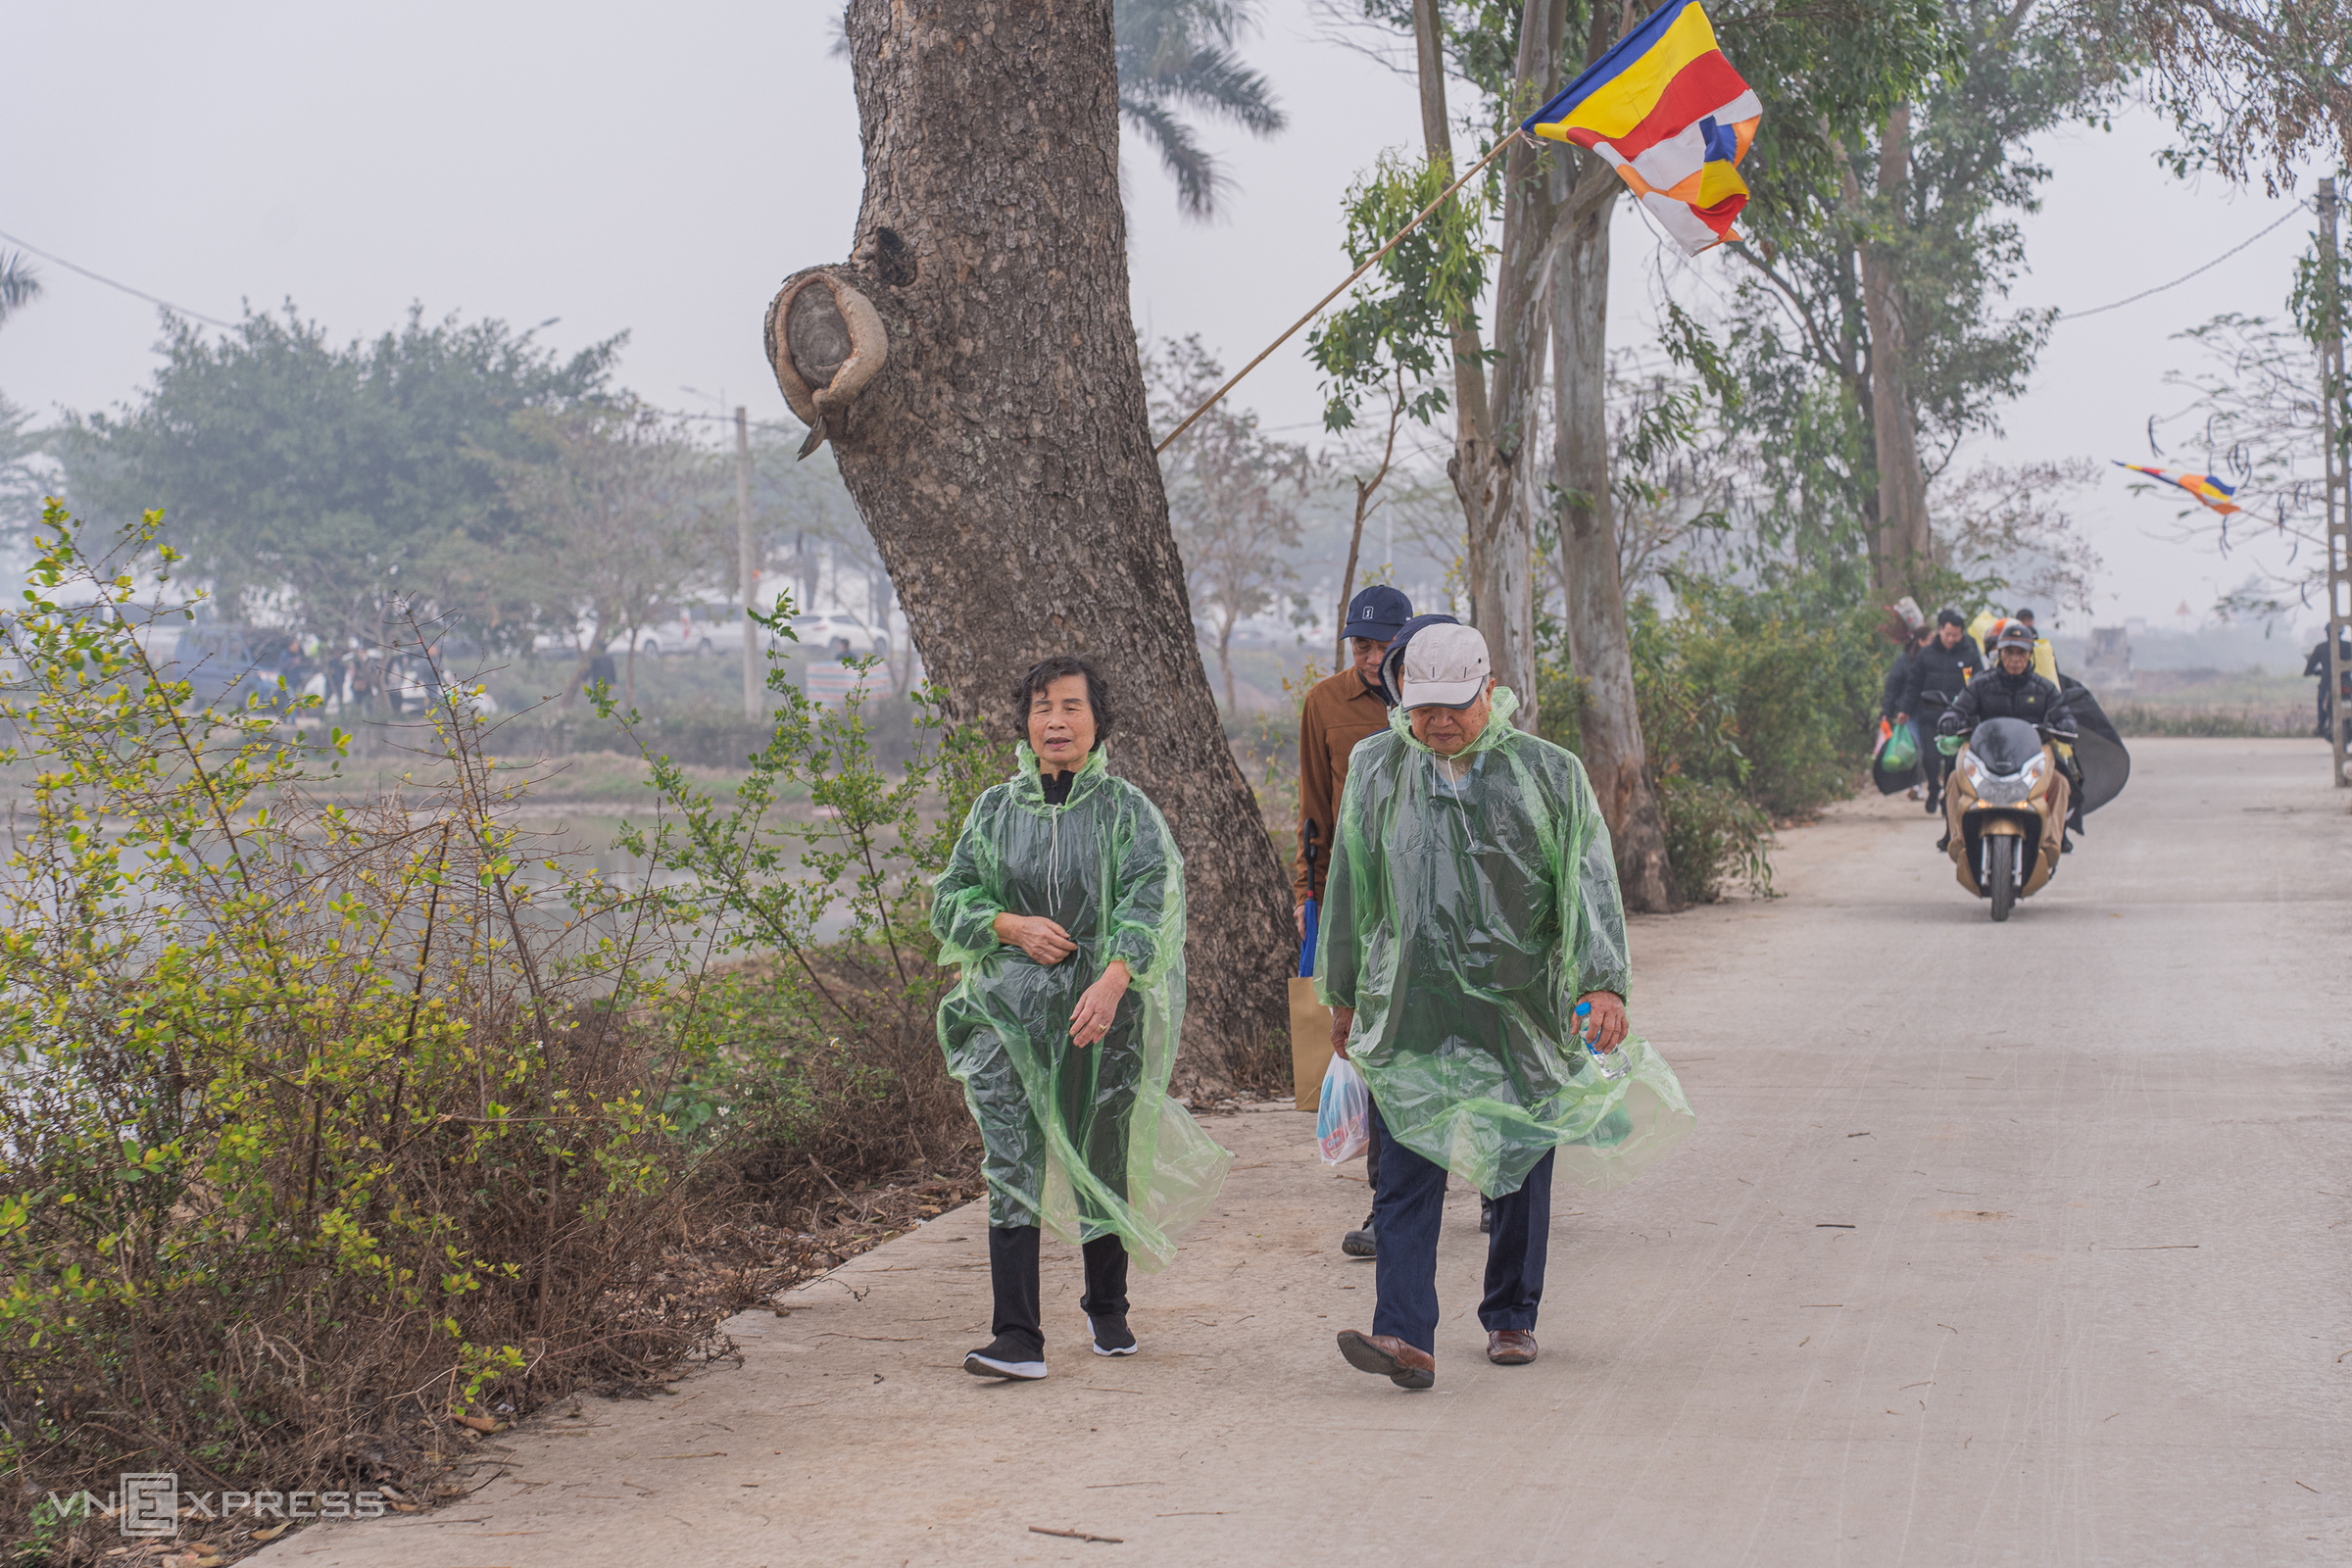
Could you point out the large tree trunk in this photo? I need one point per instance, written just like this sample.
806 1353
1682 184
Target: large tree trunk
1901 543
1598 642
1490 467
1001 456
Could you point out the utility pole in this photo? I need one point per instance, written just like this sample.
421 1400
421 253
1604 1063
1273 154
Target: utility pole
2338 482
747 568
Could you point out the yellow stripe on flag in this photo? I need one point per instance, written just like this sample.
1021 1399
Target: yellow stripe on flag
1634 92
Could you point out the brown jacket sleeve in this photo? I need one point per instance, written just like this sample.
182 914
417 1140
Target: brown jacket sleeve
1318 798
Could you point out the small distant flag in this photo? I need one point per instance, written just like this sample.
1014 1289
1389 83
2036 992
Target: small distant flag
1672 114
2204 486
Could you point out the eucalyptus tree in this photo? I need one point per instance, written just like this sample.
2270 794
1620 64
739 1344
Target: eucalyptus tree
1868 335
1834 64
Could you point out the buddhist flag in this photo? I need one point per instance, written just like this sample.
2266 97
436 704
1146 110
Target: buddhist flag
2204 486
1669 112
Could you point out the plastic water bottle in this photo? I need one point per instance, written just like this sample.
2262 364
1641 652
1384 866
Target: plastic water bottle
1611 1063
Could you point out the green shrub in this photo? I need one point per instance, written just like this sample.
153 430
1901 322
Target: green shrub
812 1050
1756 703
323 1122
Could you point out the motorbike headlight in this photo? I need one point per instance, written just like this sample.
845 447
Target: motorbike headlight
2035 770
1973 770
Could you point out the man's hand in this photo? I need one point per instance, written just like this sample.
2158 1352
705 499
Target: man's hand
1342 1020
1298 915
1902 718
1035 935
1605 1025
1091 1019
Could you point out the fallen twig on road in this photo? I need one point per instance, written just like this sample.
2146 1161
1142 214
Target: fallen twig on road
1076 1534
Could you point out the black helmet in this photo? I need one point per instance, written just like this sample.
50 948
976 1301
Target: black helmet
2016 634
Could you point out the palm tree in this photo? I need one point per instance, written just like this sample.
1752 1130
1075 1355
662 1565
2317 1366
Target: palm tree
19 285
1179 55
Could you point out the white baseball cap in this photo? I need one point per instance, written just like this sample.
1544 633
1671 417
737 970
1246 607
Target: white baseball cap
1444 667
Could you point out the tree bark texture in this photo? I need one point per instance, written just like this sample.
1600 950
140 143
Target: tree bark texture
1002 458
1902 541
1598 640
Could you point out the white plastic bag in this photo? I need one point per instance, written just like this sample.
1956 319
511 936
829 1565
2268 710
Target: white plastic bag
1344 1118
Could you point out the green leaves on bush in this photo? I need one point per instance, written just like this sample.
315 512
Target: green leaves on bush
320 1120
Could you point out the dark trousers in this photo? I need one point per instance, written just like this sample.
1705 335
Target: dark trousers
1407 1207
1012 1272
1935 766
1372 1171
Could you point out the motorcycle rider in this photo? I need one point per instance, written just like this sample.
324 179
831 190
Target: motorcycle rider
2012 690
1940 673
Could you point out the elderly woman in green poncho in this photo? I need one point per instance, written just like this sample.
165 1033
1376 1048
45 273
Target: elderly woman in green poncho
1472 954
1063 906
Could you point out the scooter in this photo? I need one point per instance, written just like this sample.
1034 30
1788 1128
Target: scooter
2005 808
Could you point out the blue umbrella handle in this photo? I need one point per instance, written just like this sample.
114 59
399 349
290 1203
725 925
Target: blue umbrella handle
1306 946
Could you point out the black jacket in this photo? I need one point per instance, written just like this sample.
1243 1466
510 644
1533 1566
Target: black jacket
1996 694
2317 663
1896 684
1938 674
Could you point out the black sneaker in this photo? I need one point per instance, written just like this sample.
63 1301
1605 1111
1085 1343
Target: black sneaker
1113 1337
1944 845
1008 1356
1361 1242
1485 1216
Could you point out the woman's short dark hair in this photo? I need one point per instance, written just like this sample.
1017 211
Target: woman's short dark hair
1044 673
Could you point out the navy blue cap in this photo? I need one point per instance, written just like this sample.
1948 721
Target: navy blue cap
1392 662
1378 613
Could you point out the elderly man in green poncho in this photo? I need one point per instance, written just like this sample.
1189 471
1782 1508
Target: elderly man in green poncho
1474 958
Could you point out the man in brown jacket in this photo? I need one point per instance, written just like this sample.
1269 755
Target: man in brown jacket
1342 710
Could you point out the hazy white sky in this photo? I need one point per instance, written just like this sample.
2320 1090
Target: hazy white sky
658 170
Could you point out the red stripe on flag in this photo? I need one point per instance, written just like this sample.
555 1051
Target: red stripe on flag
1699 88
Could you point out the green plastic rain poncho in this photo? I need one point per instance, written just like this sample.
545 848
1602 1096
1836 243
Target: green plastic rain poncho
1462 919
1085 1142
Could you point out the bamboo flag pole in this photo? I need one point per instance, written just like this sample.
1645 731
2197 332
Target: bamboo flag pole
1293 330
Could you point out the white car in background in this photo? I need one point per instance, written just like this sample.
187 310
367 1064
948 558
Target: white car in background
821 635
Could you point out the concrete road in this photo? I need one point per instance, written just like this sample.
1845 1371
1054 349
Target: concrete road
2014 1245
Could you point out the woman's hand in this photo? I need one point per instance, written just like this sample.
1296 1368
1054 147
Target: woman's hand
1605 1025
1342 1020
1035 935
1091 1019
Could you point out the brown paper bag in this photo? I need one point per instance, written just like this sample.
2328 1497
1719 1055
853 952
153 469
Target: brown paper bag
1310 1042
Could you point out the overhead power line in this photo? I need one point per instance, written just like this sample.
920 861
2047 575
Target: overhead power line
2100 310
101 277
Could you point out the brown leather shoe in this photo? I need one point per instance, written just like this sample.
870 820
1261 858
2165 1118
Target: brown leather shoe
1510 1347
1389 1356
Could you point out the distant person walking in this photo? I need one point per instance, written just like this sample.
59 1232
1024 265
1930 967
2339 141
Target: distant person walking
1341 709
1893 692
2317 665
1062 905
